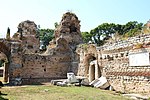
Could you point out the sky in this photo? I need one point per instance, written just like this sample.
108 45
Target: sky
91 13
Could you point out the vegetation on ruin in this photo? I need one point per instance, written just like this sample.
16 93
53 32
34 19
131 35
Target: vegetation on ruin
146 29
50 92
46 35
84 46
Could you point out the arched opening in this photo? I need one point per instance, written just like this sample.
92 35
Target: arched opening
3 67
87 60
4 59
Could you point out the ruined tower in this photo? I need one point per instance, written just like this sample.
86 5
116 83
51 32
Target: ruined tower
69 29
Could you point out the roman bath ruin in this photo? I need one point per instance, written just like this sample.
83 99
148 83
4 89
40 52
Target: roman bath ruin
125 65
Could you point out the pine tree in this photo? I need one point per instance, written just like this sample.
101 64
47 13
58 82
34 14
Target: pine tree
8 34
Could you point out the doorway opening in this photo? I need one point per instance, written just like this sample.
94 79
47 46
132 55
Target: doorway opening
94 71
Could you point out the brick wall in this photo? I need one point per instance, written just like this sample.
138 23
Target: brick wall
38 66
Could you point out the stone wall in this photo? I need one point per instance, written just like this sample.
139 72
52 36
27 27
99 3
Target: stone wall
114 61
15 64
87 54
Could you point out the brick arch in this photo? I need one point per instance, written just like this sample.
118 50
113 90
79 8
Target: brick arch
4 48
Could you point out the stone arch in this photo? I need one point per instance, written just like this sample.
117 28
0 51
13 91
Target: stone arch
92 69
88 58
5 50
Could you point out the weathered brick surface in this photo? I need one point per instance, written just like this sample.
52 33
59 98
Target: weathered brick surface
28 65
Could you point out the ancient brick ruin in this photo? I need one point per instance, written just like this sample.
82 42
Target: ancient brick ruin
27 65
120 62
66 53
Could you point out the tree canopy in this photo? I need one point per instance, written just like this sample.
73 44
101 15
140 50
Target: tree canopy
46 35
86 37
106 30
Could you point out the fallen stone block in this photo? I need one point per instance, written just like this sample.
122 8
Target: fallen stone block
100 83
54 82
71 78
61 84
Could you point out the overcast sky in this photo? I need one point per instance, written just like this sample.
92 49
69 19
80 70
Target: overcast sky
91 12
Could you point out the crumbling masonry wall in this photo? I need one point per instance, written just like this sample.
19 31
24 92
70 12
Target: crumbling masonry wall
87 54
28 65
114 61
35 68
38 68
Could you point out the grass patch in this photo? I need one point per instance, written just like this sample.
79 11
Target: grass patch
50 92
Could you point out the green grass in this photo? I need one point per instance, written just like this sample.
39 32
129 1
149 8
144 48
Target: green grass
50 92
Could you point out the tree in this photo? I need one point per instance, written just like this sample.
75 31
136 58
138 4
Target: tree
46 35
8 34
86 37
103 32
132 28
